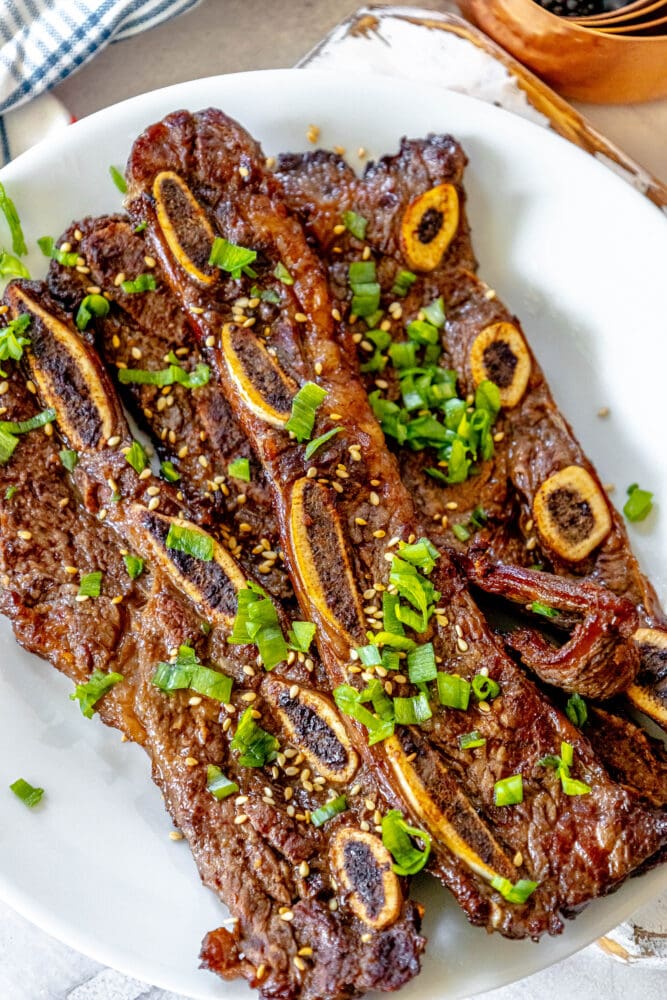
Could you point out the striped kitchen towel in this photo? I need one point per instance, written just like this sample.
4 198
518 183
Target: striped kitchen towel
43 41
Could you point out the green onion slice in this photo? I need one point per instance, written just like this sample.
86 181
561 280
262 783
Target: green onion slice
255 745
435 313
8 209
96 686
12 267
461 532
412 711
118 179
508 791
576 710
326 812
257 622
12 340
90 585
11 492
542 609
92 305
169 472
301 636
304 406
517 893
468 741
69 458
639 504
355 224
282 274
421 664
134 565
186 672
485 688
230 257
218 785
8 443
399 838
67 258
453 691
193 542
239 468
137 457
317 442
24 426
403 282
27 793
167 376
142 283
422 554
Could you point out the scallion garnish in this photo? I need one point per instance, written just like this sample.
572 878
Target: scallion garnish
255 745
169 472
11 492
422 554
453 691
398 838
468 741
562 766
134 565
67 258
508 791
118 179
576 710
191 541
485 688
365 288
27 793
282 274
355 224
542 609
32 424
186 672
12 339
461 532
412 711
90 584
380 722
304 407
96 686
218 785
12 267
232 258
421 664
435 313
69 458
136 457
370 656
517 893
142 283
320 816
139 228
8 443
8 209
639 503
317 442
403 282
257 622
239 468
92 305
301 635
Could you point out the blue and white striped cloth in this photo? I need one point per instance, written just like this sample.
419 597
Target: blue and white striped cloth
43 41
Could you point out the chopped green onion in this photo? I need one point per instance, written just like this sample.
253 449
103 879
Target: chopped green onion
11 492
487 397
468 741
362 272
517 893
257 622
421 332
508 791
27 793
370 656
412 711
421 664
230 257
365 299
92 305
168 471
136 457
12 340
186 672
301 635
350 702
256 746
576 710
69 458
397 838
639 503
304 407
550 760
326 812
422 554
317 442
485 688
562 765
403 282
24 426
140 227
8 209
166 376
193 542
478 518
12 267
239 468
96 686
118 179
66 258
218 785
355 224
453 691
282 274
142 283
91 584
573 787
461 532
542 609
134 565
8 443
389 620
435 313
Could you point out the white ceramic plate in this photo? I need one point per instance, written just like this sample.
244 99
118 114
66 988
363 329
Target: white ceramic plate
580 256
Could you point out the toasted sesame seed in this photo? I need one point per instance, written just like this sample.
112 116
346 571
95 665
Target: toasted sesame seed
154 503
240 819
484 707
25 535
119 279
4 386
191 761
365 826
175 835
366 253
489 294
248 670
361 153
336 315
299 963
260 970
248 696
333 905
499 436
300 317
306 950
145 473
304 871
294 690
531 544
374 499
30 386
463 645
517 860
78 235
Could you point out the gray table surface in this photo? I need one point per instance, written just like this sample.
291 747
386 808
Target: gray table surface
222 36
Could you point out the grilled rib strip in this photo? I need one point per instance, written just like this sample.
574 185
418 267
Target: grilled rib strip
205 151
255 863
202 422
533 440
122 331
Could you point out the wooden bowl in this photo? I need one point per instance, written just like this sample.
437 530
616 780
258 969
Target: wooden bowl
579 62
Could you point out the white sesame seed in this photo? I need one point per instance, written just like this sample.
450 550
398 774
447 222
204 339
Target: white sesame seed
175 835
25 535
